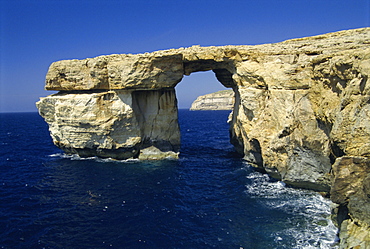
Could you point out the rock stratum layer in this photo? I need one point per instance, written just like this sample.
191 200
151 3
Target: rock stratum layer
222 100
301 111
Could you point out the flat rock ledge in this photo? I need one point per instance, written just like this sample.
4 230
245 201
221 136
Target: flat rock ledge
301 112
221 100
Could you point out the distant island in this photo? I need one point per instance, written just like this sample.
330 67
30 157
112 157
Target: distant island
301 112
221 100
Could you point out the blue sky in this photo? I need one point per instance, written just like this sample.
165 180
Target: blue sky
35 33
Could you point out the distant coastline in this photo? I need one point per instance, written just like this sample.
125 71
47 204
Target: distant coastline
221 100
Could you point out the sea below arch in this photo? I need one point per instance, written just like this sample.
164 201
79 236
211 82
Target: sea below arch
208 198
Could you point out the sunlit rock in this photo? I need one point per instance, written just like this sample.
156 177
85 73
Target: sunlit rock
118 124
300 106
222 100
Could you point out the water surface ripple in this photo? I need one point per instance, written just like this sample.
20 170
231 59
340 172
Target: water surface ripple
209 198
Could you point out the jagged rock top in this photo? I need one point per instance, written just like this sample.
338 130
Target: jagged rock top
165 68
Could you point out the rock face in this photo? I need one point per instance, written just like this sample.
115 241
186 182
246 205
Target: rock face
351 190
118 124
222 100
301 112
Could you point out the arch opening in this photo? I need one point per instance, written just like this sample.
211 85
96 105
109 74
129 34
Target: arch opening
223 70
205 70
197 83
139 109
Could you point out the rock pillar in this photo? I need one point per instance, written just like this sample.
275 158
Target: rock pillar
301 112
119 124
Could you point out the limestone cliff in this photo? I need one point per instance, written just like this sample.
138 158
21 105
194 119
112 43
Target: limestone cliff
221 100
118 124
301 112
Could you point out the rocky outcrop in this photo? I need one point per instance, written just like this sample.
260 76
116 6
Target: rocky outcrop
118 124
221 100
301 111
351 191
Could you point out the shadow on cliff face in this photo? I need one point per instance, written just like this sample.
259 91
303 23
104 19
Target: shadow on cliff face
156 113
208 121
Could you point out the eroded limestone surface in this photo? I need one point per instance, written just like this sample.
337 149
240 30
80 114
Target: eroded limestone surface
301 113
221 100
119 124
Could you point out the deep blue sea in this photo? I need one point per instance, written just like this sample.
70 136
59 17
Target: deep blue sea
209 198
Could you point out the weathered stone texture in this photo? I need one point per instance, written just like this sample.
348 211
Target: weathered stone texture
351 189
119 124
300 106
124 71
299 112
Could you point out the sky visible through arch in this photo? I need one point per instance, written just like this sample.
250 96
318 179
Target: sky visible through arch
35 33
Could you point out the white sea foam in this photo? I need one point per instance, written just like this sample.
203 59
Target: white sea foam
97 159
310 224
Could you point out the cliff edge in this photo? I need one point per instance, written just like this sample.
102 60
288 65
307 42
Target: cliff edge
301 112
221 100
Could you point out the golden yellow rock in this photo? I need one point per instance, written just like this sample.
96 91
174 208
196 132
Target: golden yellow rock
300 105
119 124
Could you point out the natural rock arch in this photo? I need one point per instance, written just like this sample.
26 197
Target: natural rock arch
222 70
107 93
301 111
287 100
